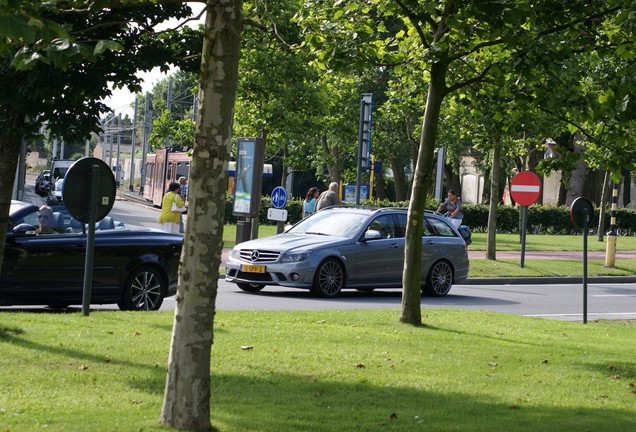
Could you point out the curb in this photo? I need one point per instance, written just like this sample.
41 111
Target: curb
549 280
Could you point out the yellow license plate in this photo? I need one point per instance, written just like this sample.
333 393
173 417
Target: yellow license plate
252 268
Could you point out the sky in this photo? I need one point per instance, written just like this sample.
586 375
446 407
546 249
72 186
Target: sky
122 100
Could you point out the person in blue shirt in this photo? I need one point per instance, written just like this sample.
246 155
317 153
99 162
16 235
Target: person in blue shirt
309 205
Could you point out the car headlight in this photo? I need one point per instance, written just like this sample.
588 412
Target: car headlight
236 253
295 257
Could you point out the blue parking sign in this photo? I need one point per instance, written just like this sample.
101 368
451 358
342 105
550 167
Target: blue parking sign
279 197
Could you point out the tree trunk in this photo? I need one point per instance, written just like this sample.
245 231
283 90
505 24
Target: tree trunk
400 180
577 176
333 159
186 403
9 153
412 273
380 186
491 252
627 189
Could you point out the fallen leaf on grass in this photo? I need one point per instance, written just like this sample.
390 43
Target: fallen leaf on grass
136 402
83 367
247 347
360 365
616 376
393 416
493 364
544 361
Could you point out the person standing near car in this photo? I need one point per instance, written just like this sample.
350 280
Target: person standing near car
309 205
329 197
169 219
452 206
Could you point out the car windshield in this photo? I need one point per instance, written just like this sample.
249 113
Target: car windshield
331 223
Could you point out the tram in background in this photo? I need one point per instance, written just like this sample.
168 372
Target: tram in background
163 168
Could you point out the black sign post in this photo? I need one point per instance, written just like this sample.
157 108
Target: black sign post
581 213
89 194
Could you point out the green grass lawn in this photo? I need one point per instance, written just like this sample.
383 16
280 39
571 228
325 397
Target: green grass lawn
540 242
354 370
505 242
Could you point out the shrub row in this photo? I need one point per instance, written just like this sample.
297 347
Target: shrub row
541 220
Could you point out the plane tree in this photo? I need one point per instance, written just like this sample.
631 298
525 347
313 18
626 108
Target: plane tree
60 81
453 44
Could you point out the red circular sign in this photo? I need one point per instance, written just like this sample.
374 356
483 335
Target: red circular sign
525 188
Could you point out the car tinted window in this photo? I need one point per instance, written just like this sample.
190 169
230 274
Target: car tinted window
385 224
400 227
331 223
441 228
427 230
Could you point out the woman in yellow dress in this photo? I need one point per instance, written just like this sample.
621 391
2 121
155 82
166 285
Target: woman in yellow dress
168 219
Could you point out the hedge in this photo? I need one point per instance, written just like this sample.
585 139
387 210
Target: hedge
541 219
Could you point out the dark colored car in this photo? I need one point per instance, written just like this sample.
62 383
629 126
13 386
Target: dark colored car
351 247
43 183
134 267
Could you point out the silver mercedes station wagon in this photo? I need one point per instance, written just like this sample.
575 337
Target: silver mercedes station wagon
351 247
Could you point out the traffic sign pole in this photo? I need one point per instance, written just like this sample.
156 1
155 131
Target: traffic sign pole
525 189
524 223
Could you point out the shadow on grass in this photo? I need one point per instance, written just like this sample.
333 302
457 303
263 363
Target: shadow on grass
287 402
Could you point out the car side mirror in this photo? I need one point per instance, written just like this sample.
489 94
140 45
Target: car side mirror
372 235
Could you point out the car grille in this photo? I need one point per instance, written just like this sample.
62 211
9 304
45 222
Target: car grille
259 256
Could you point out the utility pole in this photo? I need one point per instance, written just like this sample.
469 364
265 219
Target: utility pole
133 142
144 145
117 166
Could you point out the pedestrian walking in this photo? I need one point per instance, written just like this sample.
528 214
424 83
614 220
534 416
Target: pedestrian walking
171 208
309 205
329 197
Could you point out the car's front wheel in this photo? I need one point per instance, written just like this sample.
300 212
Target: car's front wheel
143 290
439 279
248 287
329 279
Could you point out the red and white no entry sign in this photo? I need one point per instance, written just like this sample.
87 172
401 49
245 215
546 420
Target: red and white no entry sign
525 188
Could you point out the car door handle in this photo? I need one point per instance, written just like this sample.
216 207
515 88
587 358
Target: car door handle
394 246
429 242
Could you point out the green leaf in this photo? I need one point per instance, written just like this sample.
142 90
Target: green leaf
104 45
17 28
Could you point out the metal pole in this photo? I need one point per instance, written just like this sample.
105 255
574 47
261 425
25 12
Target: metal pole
144 151
360 138
54 153
439 174
90 243
117 166
87 148
62 149
586 228
133 142
524 221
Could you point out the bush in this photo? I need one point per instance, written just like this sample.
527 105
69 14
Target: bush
541 219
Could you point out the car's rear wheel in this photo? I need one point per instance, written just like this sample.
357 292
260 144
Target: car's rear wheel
329 279
143 290
439 279
248 287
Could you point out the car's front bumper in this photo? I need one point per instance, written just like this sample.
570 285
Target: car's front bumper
293 274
